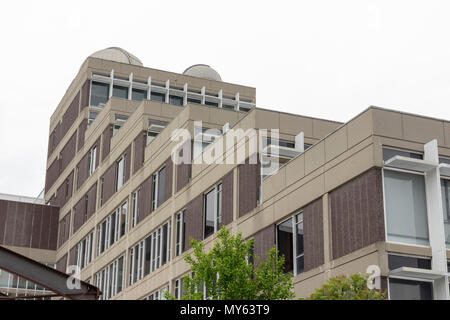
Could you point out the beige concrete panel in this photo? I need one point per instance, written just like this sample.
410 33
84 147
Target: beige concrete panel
336 144
314 157
295 170
40 255
387 123
322 128
408 249
252 223
267 119
447 133
298 198
359 128
293 125
273 184
423 130
350 168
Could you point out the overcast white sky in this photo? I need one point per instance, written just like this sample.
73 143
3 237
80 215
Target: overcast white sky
328 59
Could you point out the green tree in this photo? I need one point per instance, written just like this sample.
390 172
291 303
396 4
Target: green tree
227 273
353 287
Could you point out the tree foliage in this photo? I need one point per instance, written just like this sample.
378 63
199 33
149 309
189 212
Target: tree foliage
353 287
226 272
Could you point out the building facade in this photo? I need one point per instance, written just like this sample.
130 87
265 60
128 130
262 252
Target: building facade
370 195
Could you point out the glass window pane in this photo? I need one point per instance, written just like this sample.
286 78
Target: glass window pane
396 261
389 153
148 248
445 191
120 92
209 212
406 212
161 186
156 96
138 95
178 101
400 289
99 94
285 244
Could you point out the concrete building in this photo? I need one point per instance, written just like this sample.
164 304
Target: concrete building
369 195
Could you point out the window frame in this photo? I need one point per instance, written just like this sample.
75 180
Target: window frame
217 205
294 224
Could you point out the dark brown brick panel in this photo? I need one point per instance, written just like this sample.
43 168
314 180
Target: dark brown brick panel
109 183
357 217
106 138
62 264
79 212
68 152
249 182
28 225
145 199
64 229
264 241
139 151
313 234
92 200
194 221
227 198
70 115
73 256
183 171
82 170
52 174
65 191
54 139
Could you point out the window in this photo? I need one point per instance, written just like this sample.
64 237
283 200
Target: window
156 96
203 138
92 160
397 261
213 210
120 174
120 92
388 153
139 95
99 94
179 288
159 294
135 213
176 100
92 116
154 129
192 100
445 191
119 122
405 203
211 103
84 251
110 280
112 228
180 230
402 289
158 188
151 253
290 244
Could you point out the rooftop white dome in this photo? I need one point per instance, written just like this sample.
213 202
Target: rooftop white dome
118 55
202 71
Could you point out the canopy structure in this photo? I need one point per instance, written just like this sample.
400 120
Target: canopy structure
49 278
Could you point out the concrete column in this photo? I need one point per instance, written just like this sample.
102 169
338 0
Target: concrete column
436 221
